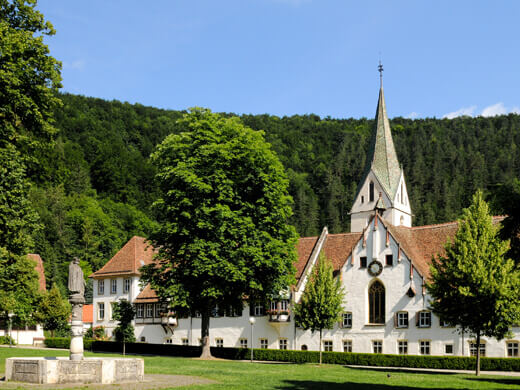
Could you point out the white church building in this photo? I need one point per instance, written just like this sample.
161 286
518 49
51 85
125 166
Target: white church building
382 263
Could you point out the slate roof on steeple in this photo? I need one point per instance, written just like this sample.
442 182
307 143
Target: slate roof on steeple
382 158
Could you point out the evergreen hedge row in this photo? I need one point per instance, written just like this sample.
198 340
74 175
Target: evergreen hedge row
64 342
343 358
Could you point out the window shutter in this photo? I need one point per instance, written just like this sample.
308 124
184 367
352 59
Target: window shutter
396 320
417 315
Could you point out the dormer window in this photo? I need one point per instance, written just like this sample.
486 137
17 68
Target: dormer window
371 192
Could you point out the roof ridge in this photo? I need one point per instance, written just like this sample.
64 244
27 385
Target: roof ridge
345 234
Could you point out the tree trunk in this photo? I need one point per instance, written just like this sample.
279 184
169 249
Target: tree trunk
204 333
320 345
478 354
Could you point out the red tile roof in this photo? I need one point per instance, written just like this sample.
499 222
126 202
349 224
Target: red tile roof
39 268
132 256
337 249
88 314
422 243
147 296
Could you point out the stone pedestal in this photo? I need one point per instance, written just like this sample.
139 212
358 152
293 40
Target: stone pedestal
76 340
62 370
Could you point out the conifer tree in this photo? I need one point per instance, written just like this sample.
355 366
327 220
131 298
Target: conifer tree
474 285
321 303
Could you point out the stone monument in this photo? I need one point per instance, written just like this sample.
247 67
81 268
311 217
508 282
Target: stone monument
76 369
77 300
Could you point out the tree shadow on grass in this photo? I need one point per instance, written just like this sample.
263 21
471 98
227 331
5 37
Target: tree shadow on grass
500 381
403 370
322 385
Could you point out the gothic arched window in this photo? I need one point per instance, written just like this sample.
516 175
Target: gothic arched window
371 192
376 303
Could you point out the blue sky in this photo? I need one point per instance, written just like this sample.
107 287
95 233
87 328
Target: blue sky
285 57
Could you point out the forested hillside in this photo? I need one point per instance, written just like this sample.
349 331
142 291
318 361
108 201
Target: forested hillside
97 186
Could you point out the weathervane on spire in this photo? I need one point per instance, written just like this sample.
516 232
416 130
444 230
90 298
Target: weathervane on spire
380 69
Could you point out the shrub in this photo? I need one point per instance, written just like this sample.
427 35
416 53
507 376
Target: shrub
64 342
6 340
343 358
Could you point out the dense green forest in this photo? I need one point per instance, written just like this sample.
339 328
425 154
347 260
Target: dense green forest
94 190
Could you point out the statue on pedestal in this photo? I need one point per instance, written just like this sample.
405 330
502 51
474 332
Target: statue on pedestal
77 299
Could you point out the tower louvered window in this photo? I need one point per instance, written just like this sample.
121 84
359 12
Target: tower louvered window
376 303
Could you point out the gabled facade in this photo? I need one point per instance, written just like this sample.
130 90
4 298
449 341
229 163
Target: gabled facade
383 265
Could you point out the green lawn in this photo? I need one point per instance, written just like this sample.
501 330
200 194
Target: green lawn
243 375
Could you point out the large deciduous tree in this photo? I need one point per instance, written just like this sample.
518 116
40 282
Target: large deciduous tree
29 79
321 304
223 212
474 285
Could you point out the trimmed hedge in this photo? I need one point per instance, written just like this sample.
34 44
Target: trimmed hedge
343 358
64 342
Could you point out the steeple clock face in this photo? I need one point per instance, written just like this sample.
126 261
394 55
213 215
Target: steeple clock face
375 268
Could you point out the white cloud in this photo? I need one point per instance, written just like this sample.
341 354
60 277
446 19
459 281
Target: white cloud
412 115
75 65
494 110
515 110
464 111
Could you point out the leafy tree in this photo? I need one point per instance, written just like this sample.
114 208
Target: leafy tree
29 78
18 277
54 311
321 304
124 313
223 213
474 285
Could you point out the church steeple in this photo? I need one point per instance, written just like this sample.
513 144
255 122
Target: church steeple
382 173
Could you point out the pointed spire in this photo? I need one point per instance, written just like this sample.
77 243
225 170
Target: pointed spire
382 156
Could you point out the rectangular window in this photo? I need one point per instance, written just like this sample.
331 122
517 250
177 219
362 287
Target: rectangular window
233 312
219 343
101 311
347 345
126 285
149 310
347 320
284 305
101 287
362 199
283 343
263 343
327 345
448 349
259 310
512 348
402 347
113 286
158 310
402 319
139 310
243 343
197 314
473 349
215 312
424 319
363 261
377 346
389 259
424 347
111 314
184 341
